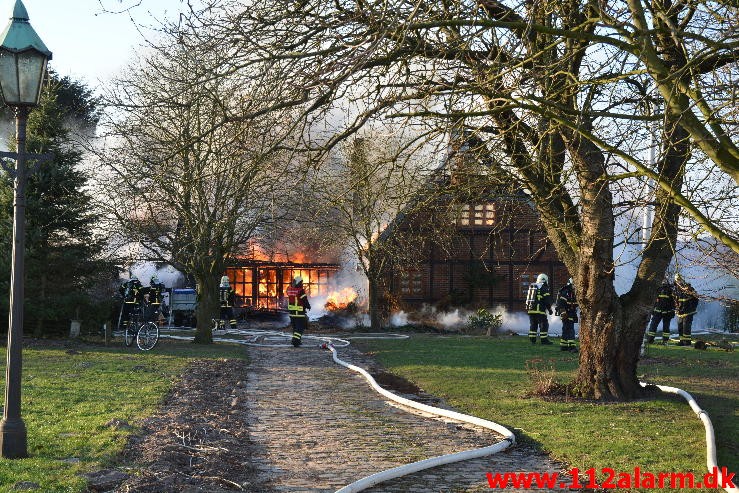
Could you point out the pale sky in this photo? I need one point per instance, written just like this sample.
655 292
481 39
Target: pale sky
87 43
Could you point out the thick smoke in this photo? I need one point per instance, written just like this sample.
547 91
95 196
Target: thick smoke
171 277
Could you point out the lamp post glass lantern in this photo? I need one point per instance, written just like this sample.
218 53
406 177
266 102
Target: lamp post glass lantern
23 58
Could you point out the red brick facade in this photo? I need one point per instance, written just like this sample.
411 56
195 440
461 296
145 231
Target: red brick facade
497 248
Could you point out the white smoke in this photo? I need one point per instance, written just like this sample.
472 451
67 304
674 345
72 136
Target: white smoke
399 319
167 274
455 320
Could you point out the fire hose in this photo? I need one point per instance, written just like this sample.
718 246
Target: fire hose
711 463
396 472
268 338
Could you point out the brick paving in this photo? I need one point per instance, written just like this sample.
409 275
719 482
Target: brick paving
317 426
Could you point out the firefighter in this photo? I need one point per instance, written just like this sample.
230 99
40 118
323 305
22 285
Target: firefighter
226 298
131 293
566 307
664 310
538 303
154 294
297 307
687 305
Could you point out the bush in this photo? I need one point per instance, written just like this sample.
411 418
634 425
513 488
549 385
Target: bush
482 321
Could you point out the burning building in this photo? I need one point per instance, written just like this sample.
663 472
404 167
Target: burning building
260 280
261 284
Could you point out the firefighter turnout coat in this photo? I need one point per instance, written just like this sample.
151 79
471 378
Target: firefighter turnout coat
687 300
665 303
567 303
297 301
540 300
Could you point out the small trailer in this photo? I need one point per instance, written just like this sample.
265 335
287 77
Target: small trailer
182 303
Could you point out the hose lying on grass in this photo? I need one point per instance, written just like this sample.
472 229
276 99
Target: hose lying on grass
710 438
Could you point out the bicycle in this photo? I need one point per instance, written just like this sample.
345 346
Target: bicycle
145 332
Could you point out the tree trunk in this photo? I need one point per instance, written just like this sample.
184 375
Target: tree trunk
207 308
609 350
374 308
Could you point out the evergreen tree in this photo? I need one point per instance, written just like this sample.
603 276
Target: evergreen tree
63 252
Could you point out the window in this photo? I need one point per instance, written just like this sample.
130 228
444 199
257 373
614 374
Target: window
464 216
315 281
411 283
241 283
322 288
477 215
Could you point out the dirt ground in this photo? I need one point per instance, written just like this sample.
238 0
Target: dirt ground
198 441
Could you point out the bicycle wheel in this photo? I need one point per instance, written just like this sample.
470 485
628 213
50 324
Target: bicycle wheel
129 334
148 336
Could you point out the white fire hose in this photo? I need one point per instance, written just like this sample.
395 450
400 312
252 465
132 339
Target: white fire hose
711 463
396 472
509 439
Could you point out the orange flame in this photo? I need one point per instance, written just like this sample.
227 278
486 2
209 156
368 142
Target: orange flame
338 300
299 258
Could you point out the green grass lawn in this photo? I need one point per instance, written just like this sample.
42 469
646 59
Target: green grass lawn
69 394
494 378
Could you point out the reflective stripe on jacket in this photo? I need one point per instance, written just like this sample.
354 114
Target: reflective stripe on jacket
687 300
665 302
543 299
297 301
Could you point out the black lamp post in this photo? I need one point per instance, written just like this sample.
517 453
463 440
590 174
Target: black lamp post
23 58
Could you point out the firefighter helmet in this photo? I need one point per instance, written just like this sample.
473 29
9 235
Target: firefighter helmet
297 281
134 277
678 278
224 282
542 278
569 281
154 279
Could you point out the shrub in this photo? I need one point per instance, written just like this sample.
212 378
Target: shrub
482 321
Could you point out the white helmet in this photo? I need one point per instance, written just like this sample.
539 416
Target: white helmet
224 282
154 279
297 281
678 278
134 277
569 281
542 278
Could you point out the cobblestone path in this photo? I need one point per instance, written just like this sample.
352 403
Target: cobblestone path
317 426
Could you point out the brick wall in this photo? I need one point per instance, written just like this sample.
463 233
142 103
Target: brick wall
502 258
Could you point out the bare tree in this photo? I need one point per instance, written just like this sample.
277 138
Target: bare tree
183 181
358 190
